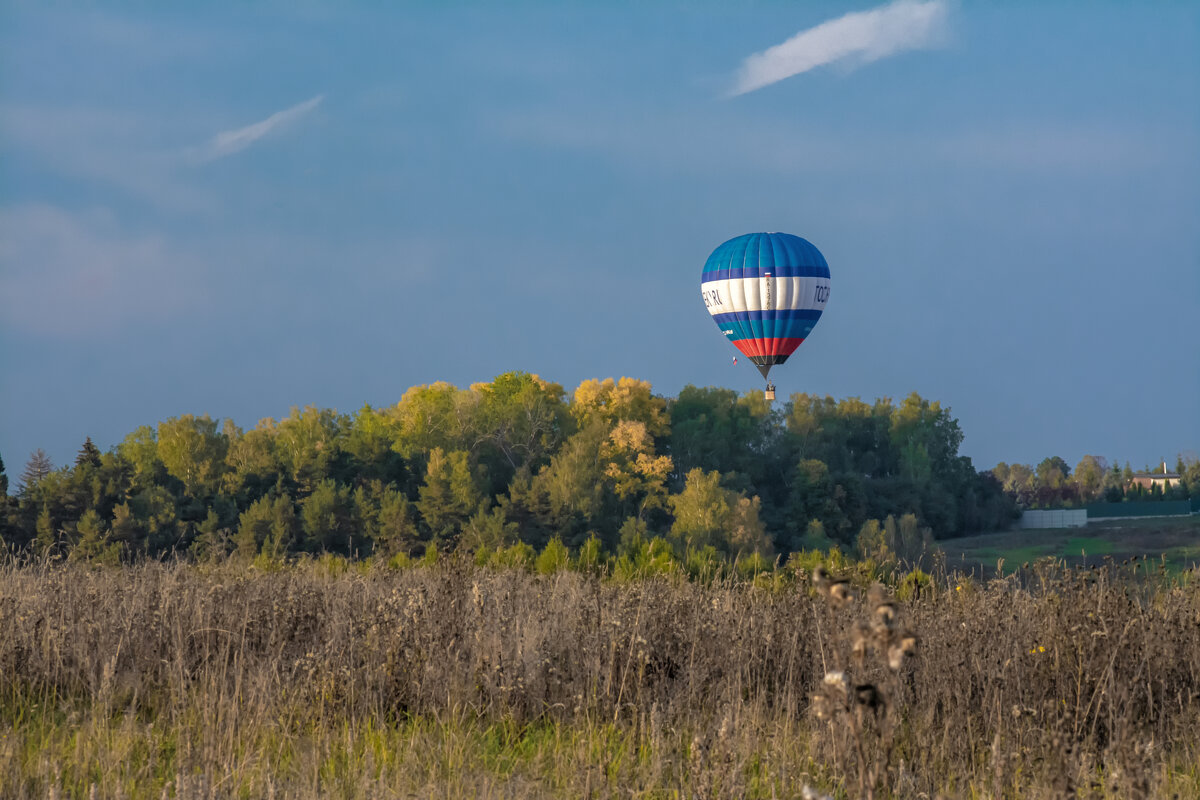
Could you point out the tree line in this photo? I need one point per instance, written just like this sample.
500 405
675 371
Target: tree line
1053 484
611 466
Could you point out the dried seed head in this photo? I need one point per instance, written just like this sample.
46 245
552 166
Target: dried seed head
840 593
895 657
836 680
867 695
809 793
860 642
821 579
885 614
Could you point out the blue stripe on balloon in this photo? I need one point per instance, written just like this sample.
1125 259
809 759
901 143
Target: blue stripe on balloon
803 271
813 314
754 253
778 324
795 331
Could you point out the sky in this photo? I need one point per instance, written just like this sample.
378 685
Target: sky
234 209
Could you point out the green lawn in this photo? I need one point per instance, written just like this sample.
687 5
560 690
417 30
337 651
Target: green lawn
1177 540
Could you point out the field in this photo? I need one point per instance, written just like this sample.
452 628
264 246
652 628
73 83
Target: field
1170 541
329 679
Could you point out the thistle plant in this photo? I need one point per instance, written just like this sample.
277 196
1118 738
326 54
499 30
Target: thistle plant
860 701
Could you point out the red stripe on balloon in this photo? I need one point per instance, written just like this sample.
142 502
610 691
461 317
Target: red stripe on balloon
768 347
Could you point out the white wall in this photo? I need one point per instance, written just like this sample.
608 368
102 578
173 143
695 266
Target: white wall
1054 518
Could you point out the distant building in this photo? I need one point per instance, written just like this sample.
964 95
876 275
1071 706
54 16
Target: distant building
1162 479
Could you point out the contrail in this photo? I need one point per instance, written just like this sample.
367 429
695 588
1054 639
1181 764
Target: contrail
229 142
865 36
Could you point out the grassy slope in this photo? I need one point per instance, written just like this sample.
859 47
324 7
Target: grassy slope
1174 541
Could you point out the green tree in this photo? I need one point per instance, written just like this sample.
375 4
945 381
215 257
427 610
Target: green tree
433 416
268 526
125 526
872 542
814 537
328 519
812 496
554 557
251 467
520 418
387 517
926 437
92 541
139 449
369 444
1020 482
1089 476
489 529
212 541
708 514
1052 472
48 534
84 488
88 454
451 494
156 515
308 445
1192 477
714 428
569 493
912 541
193 452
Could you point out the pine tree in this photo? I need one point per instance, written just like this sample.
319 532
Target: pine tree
3 480
88 454
37 467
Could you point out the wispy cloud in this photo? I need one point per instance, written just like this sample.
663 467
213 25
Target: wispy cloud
69 274
129 151
858 38
229 142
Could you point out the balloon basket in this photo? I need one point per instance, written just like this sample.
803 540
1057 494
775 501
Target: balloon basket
770 392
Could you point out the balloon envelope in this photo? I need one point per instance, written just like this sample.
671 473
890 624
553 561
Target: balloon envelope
766 291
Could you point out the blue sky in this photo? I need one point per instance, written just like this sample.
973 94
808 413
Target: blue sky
235 211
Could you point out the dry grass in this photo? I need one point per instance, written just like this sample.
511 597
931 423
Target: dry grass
323 680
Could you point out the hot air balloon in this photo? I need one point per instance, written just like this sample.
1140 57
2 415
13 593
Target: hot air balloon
766 291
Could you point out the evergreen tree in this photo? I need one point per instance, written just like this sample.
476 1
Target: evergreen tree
451 494
269 526
88 454
327 517
37 467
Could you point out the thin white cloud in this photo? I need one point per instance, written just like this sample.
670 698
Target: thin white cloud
126 150
230 142
857 38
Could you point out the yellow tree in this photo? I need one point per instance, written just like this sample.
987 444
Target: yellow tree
634 473
611 401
